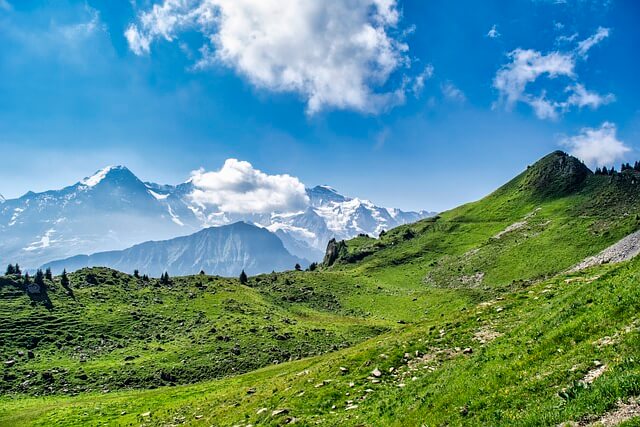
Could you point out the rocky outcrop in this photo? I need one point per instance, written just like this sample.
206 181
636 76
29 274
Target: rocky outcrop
335 251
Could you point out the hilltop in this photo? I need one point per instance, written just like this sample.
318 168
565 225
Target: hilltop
474 317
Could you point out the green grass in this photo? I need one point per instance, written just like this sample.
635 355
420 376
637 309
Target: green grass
209 351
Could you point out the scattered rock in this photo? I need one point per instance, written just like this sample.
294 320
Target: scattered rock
10 362
146 414
277 412
376 373
467 350
261 410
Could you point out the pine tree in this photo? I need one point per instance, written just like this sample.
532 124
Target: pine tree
636 166
39 277
202 273
598 171
48 275
313 266
64 279
243 278
298 267
10 270
136 274
164 278
27 279
17 270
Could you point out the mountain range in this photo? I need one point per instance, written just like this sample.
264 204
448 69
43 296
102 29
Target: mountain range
114 210
225 251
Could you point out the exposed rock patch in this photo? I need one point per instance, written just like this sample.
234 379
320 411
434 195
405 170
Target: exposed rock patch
623 250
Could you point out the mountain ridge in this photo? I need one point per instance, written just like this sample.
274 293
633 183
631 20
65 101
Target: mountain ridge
113 209
224 251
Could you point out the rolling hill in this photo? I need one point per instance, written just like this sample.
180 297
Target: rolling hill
477 316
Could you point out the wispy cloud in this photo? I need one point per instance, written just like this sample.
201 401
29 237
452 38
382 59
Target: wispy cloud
527 66
452 93
493 32
5 5
585 45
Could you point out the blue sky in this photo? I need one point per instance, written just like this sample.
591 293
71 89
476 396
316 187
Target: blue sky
436 109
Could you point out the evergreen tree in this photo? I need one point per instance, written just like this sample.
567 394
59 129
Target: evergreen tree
636 166
39 277
136 274
17 270
48 275
313 266
145 278
10 270
598 171
64 279
202 273
27 279
243 278
298 267
164 279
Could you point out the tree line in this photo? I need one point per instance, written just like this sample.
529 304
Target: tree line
623 167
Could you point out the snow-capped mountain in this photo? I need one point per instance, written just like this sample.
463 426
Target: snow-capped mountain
225 251
113 210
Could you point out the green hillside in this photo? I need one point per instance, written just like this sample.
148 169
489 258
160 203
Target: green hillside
468 318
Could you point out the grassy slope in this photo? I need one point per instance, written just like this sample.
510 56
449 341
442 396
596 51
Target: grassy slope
424 276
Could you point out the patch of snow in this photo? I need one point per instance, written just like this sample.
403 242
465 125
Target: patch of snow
16 214
97 177
303 232
158 196
174 217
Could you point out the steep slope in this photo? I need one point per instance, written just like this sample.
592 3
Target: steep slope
224 251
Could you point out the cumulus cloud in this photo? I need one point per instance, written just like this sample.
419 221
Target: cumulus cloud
240 188
335 54
597 146
493 32
585 45
527 66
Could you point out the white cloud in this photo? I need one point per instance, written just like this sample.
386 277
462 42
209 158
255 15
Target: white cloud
493 32
597 147
452 93
418 82
581 97
240 188
335 54
585 45
138 43
527 66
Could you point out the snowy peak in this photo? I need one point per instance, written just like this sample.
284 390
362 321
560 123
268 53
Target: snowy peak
323 194
2 199
114 174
